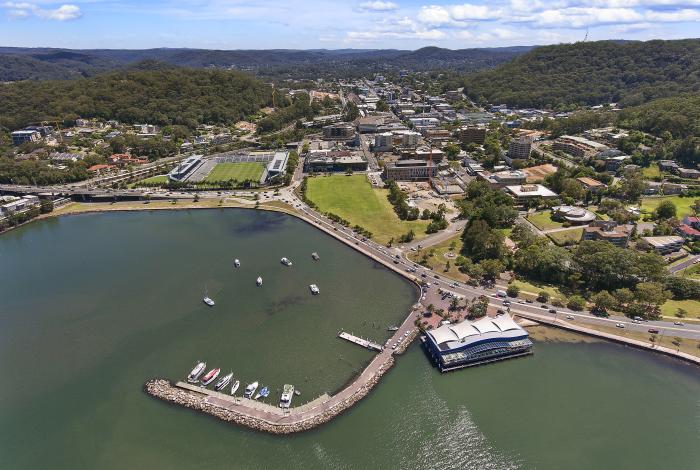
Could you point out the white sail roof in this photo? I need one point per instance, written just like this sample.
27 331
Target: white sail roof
506 323
485 325
443 334
464 329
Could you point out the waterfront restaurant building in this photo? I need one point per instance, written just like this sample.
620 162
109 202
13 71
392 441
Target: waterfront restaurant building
454 346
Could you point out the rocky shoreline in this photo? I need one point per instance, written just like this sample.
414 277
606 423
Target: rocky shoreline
165 390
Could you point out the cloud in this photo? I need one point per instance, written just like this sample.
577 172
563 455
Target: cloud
455 15
25 10
378 6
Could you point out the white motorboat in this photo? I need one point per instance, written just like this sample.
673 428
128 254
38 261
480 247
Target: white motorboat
250 390
315 256
237 263
196 372
223 382
314 289
258 281
207 300
287 395
286 261
235 386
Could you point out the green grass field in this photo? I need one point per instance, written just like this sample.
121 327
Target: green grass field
670 307
566 237
236 171
543 220
683 204
651 171
354 199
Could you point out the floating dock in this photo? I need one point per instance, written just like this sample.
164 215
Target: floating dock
360 341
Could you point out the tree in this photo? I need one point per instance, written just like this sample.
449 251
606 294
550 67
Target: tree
543 296
665 210
478 307
576 303
454 304
481 242
681 313
513 290
492 269
602 302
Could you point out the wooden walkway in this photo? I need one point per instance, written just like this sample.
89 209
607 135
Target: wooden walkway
360 341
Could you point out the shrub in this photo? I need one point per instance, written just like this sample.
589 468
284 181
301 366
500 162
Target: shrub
543 296
576 303
513 290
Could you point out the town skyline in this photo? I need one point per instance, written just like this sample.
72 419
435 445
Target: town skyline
225 24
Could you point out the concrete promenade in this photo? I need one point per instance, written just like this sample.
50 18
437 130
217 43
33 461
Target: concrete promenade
608 336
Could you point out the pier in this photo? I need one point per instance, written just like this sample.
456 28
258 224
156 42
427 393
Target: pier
360 341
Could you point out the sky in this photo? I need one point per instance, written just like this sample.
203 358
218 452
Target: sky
335 24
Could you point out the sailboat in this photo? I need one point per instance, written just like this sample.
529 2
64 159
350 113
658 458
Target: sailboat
206 298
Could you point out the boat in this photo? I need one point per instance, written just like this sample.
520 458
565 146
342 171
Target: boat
287 395
314 289
258 281
235 386
223 382
264 392
196 372
297 392
250 390
286 261
237 263
392 328
315 256
211 376
206 298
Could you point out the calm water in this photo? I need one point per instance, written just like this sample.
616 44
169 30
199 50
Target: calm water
91 306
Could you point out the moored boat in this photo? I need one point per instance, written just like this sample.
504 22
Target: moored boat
315 256
250 390
314 289
264 392
211 376
235 386
287 395
206 298
258 281
223 382
393 328
196 372
286 261
237 263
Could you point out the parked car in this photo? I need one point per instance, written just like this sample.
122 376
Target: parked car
552 310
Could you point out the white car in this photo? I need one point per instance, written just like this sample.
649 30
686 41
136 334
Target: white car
620 325
569 317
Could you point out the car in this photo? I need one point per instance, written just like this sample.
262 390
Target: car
500 311
398 257
636 321
436 276
638 318
501 293
544 306
552 310
506 302
619 325
423 275
569 317
529 301
396 261
653 331
679 323
393 346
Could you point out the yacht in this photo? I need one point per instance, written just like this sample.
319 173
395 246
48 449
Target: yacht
287 395
393 328
314 289
196 372
264 392
250 390
235 386
258 281
237 263
286 261
211 376
223 382
315 256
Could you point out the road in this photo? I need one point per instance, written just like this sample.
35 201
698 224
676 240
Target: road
687 263
563 161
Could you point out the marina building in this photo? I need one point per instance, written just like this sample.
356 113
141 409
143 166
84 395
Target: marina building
455 346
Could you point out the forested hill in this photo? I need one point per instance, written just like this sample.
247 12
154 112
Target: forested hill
592 73
46 64
679 115
167 95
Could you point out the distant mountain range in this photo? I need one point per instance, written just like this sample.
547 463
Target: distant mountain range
47 63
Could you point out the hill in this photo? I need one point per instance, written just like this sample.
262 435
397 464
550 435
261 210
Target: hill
678 115
591 73
159 95
42 63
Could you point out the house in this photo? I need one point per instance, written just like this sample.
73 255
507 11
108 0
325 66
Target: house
692 221
688 232
688 173
668 165
662 245
101 168
592 185
23 136
607 230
